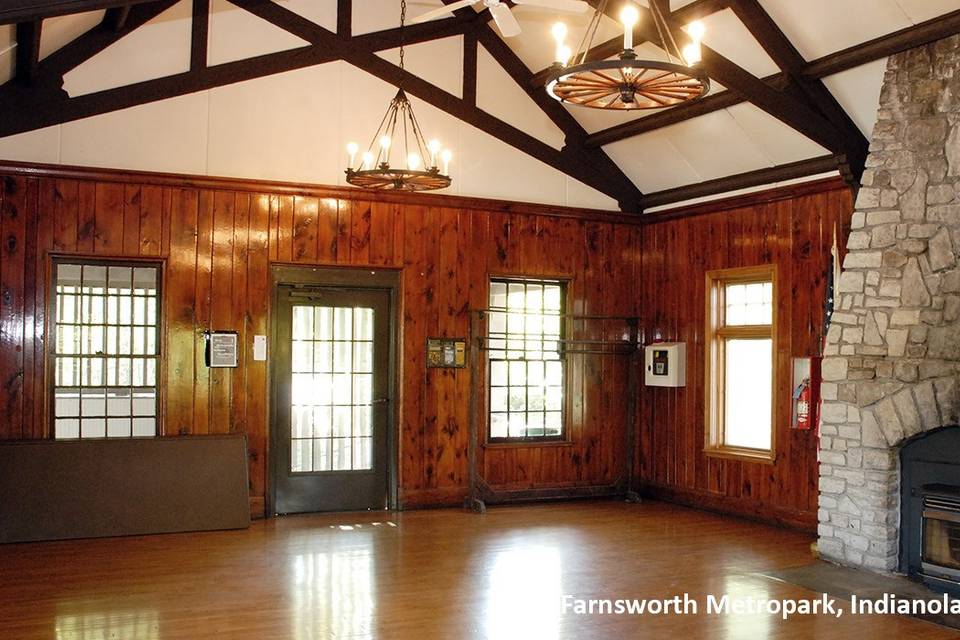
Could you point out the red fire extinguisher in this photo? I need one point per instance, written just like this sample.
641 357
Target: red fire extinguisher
802 406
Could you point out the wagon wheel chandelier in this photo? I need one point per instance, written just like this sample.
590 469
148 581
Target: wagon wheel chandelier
399 131
628 83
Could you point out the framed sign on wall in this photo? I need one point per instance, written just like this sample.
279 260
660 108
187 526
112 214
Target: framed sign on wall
221 349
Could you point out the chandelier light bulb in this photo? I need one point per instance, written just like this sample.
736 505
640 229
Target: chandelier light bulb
696 31
629 16
367 160
413 161
559 32
385 142
691 53
563 54
434 148
446 156
352 149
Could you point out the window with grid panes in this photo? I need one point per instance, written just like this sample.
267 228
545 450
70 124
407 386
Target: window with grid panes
106 350
741 332
332 395
525 363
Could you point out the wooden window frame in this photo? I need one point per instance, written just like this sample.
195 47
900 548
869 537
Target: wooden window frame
715 335
563 439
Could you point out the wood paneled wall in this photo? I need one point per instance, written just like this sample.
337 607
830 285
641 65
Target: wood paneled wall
217 240
796 234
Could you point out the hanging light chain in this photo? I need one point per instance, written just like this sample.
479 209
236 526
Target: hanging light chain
403 22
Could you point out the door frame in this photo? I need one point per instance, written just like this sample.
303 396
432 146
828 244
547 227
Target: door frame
337 278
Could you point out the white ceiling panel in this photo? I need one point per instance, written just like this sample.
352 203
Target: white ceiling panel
291 136
779 143
159 48
730 38
235 34
652 162
378 15
715 146
500 96
439 62
58 31
858 92
41 145
169 135
321 12
819 27
922 10
580 195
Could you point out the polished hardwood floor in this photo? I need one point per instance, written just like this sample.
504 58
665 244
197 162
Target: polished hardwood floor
420 574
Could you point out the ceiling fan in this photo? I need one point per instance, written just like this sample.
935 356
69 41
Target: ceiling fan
501 13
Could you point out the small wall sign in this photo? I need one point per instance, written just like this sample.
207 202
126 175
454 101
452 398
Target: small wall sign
221 351
446 353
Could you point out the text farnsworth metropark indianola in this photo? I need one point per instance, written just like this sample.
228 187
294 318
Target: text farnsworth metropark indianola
724 604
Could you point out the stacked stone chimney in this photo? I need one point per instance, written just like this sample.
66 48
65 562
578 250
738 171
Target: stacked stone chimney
892 358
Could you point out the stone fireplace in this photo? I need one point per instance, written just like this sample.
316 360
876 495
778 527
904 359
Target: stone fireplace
892 358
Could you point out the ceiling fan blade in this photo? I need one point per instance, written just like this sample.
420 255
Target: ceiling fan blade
442 11
507 24
568 6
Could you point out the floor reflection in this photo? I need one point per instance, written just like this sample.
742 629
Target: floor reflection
332 591
110 625
524 593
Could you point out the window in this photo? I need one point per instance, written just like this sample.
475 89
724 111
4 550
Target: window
106 350
740 362
526 368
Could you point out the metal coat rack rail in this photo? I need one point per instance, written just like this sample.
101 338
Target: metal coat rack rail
628 349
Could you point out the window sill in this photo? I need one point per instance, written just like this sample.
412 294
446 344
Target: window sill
526 444
744 455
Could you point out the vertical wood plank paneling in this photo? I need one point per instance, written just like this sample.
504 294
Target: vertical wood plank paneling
203 283
179 295
218 245
221 304
109 219
13 210
676 255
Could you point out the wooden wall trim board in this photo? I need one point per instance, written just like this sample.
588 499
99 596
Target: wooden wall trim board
219 238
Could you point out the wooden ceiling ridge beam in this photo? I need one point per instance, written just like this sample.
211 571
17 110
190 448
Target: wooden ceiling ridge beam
812 91
756 178
887 45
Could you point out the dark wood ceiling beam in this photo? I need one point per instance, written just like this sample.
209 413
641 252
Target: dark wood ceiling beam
115 18
199 34
344 18
17 11
769 175
469 91
808 90
924 33
28 51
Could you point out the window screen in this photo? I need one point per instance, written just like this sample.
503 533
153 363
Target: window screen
106 350
526 368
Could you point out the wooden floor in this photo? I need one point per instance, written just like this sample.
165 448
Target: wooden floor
427 574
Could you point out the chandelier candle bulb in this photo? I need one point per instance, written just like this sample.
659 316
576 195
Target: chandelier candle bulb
629 16
367 160
446 156
563 54
696 31
434 148
691 53
352 149
413 161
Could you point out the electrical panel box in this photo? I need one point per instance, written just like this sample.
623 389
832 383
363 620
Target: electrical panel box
666 364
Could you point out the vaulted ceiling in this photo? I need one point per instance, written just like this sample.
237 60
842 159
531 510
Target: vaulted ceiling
274 89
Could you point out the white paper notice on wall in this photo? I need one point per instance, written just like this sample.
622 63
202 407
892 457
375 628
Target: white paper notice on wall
260 348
